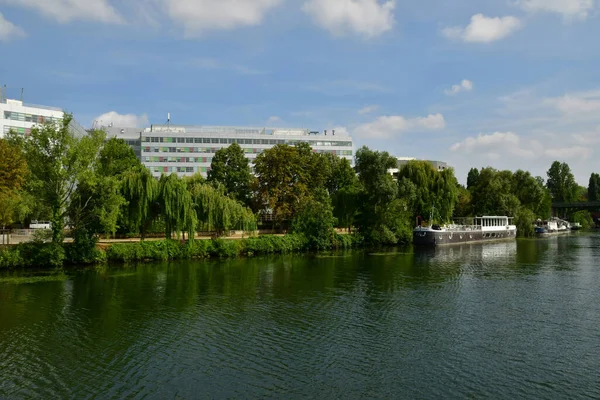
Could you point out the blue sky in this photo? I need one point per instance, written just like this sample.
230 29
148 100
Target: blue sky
506 83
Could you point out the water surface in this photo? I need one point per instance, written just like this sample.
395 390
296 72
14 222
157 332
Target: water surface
495 320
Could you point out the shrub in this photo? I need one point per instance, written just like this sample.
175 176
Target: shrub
524 220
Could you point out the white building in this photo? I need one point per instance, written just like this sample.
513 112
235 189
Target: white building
21 117
186 150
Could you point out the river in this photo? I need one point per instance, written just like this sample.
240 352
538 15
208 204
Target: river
497 320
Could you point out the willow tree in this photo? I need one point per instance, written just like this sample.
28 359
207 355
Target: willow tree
217 212
427 190
177 207
140 191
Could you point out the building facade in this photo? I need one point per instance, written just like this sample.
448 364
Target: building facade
21 117
186 150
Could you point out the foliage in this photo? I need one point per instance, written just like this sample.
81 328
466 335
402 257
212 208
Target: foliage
231 168
428 191
13 168
177 206
594 187
56 160
315 221
472 178
463 207
116 158
524 220
379 211
217 212
141 192
285 177
584 217
561 183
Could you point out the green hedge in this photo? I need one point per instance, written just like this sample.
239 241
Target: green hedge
49 255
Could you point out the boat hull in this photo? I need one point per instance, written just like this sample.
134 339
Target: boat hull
441 238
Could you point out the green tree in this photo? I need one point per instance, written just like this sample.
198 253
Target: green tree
343 188
116 158
381 217
231 168
531 193
13 167
472 178
561 183
217 212
427 190
594 187
177 207
490 194
57 160
283 181
141 192
315 221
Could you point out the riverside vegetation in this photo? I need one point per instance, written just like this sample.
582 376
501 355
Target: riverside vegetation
90 187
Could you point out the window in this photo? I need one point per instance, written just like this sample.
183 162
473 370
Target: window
214 140
189 169
197 140
189 140
180 140
206 140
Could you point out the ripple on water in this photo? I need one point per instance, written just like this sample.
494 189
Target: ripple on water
505 320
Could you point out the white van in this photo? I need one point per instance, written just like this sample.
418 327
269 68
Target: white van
40 225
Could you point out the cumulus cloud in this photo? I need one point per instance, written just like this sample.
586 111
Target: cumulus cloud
568 8
510 146
576 103
465 86
122 120
387 126
483 29
367 18
200 16
65 11
368 109
8 30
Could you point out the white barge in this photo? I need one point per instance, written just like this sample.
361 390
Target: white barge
486 228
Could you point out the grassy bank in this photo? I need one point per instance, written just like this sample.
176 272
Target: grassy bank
48 255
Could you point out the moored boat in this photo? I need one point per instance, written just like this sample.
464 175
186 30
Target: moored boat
551 227
486 228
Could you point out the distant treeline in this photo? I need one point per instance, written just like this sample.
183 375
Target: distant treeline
89 186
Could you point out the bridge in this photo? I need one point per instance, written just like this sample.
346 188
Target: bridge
564 208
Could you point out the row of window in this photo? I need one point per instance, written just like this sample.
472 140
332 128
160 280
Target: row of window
20 131
212 150
38 119
178 159
271 142
166 170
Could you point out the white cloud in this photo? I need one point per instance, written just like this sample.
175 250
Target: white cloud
8 30
573 152
273 120
483 29
387 126
368 18
122 120
368 109
576 103
199 16
488 143
465 86
568 8
68 10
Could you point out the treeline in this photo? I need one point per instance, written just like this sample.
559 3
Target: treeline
89 186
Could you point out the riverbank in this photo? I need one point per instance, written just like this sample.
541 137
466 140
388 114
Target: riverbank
27 255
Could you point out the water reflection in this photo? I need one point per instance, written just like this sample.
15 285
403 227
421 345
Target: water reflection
459 321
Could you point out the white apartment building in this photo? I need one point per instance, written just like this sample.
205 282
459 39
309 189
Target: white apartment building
21 117
186 150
